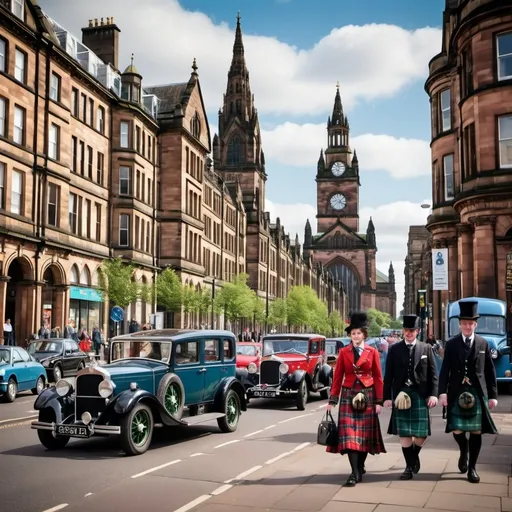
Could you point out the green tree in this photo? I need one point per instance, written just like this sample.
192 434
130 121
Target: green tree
395 324
305 309
236 299
378 320
336 324
259 310
116 282
319 317
277 312
169 290
204 301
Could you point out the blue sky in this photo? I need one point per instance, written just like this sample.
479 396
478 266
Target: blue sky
296 51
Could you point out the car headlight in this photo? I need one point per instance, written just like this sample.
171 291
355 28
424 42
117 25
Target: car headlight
46 363
2 373
252 368
283 368
494 353
106 388
63 387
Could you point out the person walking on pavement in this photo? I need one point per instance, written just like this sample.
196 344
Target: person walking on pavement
468 389
8 333
358 376
410 388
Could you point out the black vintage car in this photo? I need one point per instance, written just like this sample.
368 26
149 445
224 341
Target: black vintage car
61 357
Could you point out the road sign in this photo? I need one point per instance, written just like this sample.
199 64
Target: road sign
117 314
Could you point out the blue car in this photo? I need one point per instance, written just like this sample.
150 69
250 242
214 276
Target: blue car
19 371
155 378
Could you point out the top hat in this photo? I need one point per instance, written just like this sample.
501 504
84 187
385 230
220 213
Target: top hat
358 320
468 310
410 322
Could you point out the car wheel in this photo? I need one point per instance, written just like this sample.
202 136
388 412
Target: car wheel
57 374
81 366
232 411
39 386
49 439
171 394
302 395
12 390
136 430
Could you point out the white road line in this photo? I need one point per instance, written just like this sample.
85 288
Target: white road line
17 419
253 433
295 418
194 503
156 468
58 507
270 426
241 476
279 457
88 494
196 454
301 446
322 406
221 489
225 444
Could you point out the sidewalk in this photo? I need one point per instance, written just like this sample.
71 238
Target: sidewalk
311 480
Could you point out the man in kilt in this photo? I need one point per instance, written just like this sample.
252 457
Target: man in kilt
357 385
468 389
410 388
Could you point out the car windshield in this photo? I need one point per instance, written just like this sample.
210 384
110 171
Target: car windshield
5 356
486 324
330 348
246 350
45 346
141 349
279 346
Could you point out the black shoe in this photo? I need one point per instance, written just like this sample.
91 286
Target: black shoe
352 480
463 463
363 470
359 477
407 474
416 466
473 476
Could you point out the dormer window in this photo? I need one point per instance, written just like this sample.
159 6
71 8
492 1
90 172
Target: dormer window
18 8
195 126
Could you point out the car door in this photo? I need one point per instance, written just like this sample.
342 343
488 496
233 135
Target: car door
75 355
188 367
22 370
215 371
314 353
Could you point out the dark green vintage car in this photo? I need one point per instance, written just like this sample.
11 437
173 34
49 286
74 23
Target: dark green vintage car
154 378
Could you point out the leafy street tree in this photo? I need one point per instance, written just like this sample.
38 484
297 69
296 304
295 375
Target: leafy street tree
204 302
379 320
236 299
116 283
336 324
277 312
169 290
259 309
305 309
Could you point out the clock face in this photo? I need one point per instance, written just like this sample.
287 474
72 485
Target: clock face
338 168
338 202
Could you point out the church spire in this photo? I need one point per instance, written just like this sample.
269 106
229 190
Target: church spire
238 66
337 125
337 111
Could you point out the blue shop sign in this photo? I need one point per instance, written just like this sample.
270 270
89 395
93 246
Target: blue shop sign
89 294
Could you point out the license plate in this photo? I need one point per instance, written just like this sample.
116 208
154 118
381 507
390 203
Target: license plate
72 430
265 394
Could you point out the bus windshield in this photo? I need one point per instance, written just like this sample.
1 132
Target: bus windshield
487 324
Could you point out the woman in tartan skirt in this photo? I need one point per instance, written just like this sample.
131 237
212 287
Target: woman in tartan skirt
358 376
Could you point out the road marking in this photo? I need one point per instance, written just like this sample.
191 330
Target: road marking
156 468
225 444
58 507
279 457
88 494
221 489
301 446
270 426
194 503
295 418
253 433
241 476
17 419
197 454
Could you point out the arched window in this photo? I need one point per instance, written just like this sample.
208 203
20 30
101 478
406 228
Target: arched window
195 126
350 283
74 276
85 276
235 150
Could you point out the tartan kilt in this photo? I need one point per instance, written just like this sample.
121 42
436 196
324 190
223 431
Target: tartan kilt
359 431
412 422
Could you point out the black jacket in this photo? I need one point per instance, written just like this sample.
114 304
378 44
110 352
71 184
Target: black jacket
425 371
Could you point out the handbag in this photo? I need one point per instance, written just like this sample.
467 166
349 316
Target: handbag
327 431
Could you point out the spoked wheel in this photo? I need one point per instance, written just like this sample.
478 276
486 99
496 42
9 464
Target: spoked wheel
171 395
137 430
229 422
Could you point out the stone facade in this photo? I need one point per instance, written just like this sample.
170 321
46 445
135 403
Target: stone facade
338 244
470 90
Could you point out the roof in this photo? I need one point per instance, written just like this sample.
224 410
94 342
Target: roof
381 277
175 334
170 95
292 336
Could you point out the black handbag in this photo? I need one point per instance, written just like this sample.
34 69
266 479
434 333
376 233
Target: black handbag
327 431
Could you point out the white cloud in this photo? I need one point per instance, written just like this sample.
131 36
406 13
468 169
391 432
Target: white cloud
294 144
391 222
370 61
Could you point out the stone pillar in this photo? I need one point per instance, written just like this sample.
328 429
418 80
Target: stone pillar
28 317
59 308
3 291
453 269
466 282
484 256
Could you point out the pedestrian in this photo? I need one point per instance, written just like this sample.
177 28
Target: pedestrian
8 333
410 388
358 376
468 389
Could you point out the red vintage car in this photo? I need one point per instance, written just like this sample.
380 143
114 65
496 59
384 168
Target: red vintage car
292 366
246 353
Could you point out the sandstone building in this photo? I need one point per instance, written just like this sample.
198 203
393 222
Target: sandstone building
470 90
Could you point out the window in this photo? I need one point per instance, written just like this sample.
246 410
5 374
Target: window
124 230
55 87
467 72
235 151
53 203
98 222
16 192
147 237
211 350
91 111
186 353
18 8
3 117
448 177
20 65
137 138
2 185
100 163
505 140
125 137
469 150
74 150
19 125
82 158
195 126
504 47
446 110
3 55
100 120
53 142
84 108
89 162
73 212
125 180
74 102
87 218
137 185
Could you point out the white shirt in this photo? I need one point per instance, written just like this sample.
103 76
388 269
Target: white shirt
7 327
410 344
471 339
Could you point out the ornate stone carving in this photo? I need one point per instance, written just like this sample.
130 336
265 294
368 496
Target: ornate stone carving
464 228
483 220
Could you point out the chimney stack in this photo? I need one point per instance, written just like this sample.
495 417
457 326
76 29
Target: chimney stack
103 40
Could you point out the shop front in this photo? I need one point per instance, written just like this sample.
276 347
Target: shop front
85 308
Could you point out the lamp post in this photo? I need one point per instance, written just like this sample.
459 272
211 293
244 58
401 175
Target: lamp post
213 303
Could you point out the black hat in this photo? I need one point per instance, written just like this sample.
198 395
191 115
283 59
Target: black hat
468 310
358 320
410 322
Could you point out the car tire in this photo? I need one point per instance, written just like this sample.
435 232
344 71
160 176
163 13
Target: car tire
12 391
302 395
49 439
136 430
81 366
39 386
171 394
57 374
232 411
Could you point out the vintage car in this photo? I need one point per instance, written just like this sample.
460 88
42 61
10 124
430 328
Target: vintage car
332 349
61 357
292 366
19 371
247 352
155 378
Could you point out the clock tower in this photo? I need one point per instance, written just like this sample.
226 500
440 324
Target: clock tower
337 176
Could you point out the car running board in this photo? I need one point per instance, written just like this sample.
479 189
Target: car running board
201 418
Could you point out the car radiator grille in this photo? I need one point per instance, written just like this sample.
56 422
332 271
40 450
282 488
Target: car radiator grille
269 372
87 396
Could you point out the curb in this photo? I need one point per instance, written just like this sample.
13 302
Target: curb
17 421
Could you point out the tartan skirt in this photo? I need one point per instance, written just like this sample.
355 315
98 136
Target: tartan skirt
467 420
412 422
358 431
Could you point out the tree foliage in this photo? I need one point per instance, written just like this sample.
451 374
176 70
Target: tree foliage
169 290
116 282
277 312
236 299
336 324
379 320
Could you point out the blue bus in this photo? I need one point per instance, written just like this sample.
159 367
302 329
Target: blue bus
492 325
